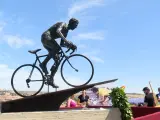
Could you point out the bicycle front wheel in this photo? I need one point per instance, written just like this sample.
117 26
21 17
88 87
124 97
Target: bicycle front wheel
27 80
77 70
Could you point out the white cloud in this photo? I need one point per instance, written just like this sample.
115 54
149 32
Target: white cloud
15 19
99 35
5 76
1 13
1 29
94 56
17 41
4 56
82 46
79 7
14 41
80 10
2 25
97 59
95 52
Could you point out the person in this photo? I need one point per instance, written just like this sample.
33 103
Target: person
83 99
102 93
148 99
158 95
58 30
71 102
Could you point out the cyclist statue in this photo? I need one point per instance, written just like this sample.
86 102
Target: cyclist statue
58 30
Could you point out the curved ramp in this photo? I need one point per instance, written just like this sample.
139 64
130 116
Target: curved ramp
45 102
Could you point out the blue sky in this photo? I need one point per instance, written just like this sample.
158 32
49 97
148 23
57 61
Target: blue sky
121 37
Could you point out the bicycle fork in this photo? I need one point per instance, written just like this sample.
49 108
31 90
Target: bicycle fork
72 66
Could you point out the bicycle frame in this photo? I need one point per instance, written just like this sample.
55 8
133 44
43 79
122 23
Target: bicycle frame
62 55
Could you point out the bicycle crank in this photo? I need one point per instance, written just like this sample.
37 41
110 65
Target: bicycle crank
47 79
27 81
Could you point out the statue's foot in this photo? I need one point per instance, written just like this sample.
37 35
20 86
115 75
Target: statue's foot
51 83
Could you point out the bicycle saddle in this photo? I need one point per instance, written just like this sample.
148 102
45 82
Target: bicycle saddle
34 51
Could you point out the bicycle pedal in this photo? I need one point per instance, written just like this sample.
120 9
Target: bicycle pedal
28 86
45 82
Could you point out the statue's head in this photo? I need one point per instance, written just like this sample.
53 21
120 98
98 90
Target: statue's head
73 23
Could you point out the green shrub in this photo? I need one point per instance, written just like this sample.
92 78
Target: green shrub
120 100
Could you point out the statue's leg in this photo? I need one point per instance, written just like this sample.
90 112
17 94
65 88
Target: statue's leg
55 56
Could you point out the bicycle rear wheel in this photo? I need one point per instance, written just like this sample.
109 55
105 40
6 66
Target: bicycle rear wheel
31 78
82 64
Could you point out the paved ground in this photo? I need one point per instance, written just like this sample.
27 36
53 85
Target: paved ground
64 115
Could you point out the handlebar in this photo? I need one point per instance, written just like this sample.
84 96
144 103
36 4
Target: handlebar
69 50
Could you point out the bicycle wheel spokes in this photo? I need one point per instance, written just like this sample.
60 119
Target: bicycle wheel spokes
80 71
25 86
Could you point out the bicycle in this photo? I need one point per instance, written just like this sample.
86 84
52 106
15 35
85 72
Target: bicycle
46 78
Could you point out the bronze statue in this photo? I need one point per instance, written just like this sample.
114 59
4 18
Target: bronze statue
58 30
